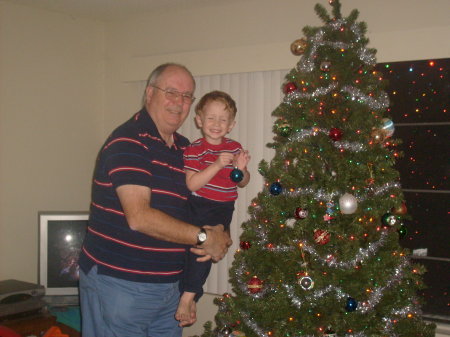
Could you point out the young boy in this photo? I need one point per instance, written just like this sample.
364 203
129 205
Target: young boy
208 163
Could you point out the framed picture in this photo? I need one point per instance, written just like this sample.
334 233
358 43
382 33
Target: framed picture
61 235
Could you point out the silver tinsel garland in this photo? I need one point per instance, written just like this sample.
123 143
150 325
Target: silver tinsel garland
330 261
364 307
306 64
380 103
295 95
314 131
376 104
388 329
320 195
362 255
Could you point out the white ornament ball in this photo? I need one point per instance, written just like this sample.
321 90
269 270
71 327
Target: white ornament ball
348 204
290 222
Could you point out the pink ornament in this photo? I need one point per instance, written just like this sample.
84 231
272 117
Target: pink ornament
327 217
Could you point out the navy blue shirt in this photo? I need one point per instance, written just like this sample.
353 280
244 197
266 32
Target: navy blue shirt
136 154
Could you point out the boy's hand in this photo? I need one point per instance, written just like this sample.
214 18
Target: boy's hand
241 160
224 159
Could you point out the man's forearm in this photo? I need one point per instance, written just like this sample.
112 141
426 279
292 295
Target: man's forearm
162 226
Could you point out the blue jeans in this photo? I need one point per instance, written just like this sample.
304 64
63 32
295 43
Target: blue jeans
112 307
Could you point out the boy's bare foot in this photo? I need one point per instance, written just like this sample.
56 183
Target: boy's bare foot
187 310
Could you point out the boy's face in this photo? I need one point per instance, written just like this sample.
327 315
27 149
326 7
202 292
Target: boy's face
215 121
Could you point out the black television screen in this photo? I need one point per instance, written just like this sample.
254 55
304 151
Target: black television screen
60 238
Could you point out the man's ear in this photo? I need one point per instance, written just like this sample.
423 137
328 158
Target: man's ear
148 93
198 121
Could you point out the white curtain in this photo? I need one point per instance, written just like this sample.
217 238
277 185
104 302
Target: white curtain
256 94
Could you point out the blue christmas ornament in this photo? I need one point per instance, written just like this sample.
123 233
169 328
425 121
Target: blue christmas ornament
236 175
351 304
276 188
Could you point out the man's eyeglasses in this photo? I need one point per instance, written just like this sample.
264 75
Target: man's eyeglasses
173 95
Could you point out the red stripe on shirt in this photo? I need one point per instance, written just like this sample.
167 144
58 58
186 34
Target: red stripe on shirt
147 135
134 271
102 184
135 169
110 210
152 249
167 165
154 190
124 139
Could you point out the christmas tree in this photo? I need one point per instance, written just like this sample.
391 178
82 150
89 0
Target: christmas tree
320 253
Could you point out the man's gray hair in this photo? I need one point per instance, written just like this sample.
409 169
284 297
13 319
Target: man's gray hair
156 73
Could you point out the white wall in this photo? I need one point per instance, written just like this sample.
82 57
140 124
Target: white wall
51 104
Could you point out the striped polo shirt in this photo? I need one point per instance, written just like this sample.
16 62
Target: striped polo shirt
136 154
199 155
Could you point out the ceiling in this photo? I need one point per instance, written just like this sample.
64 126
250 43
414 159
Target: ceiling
107 10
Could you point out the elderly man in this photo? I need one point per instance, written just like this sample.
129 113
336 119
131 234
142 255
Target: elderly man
134 252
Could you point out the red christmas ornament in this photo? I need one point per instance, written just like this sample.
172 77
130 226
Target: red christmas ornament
245 245
289 87
300 213
370 181
401 210
335 134
254 285
321 237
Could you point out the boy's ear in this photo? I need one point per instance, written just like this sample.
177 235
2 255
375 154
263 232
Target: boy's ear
231 126
198 121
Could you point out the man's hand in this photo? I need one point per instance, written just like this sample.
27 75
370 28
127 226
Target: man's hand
215 246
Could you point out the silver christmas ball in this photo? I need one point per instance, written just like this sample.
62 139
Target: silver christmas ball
388 127
306 283
226 331
348 204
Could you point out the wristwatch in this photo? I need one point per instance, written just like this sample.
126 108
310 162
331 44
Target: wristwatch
201 236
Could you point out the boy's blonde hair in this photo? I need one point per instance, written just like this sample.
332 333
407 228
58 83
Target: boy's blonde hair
218 96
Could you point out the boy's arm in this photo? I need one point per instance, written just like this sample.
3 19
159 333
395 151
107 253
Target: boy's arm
245 179
196 180
241 162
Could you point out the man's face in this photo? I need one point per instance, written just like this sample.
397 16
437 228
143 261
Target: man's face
169 113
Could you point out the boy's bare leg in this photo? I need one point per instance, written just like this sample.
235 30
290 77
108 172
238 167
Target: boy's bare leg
187 309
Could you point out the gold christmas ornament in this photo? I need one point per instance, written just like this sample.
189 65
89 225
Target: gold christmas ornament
378 136
298 46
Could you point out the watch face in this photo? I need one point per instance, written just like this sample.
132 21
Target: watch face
202 236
